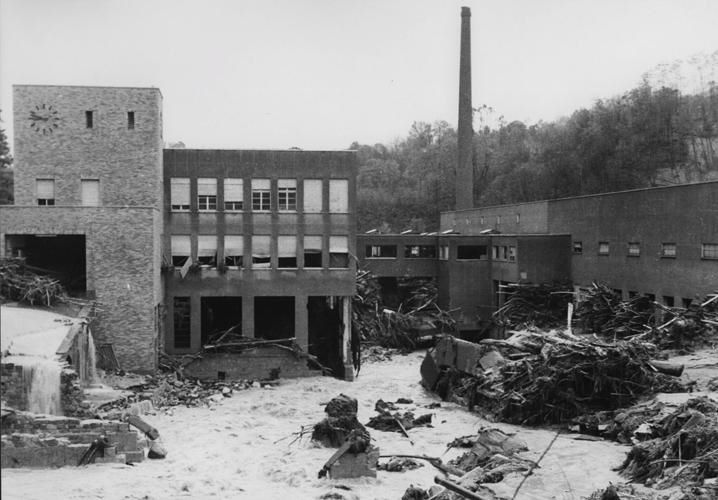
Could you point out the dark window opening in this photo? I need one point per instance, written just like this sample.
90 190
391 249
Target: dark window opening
46 202
287 262
686 302
668 300
472 252
381 251
131 120
233 260
325 331
221 375
207 202
218 315
233 205
179 260
60 257
210 260
89 119
338 260
420 252
578 247
274 317
312 258
261 200
182 330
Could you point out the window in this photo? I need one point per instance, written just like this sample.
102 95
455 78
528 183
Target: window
130 120
287 195
233 195
634 249
578 247
603 248
338 252
501 252
287 252
686 302
339 196
206 194
233 250
312 251
90 192
180 249
381 251
207 250
472 252
261 257
420 252
45 191
182 330
179 194
668 300
518 218
498 219
312 196
668 250
444 252
89 119
512 253
709 251
632 294
261 195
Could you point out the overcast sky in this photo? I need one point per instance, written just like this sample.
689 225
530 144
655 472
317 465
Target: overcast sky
319 74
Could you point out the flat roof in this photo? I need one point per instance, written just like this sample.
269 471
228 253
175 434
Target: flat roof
87 86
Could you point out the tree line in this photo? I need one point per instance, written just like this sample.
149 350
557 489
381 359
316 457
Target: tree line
645 137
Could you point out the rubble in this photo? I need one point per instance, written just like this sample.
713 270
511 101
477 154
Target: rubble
18 282
545 377
396 422
533 305
340 422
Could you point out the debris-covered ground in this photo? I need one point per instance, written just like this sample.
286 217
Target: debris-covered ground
245 446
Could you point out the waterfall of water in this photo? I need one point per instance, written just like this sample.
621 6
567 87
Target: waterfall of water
91 359
42 380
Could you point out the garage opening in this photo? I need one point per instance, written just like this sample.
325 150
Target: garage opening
274 317
218 315
59 256
325 331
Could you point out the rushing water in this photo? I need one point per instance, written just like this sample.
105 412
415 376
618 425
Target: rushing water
91 360
41 379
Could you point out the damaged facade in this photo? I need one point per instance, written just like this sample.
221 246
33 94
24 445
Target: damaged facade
175 245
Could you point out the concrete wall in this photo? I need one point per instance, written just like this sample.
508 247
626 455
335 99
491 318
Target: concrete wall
531 218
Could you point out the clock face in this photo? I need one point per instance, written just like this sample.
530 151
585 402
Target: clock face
44 119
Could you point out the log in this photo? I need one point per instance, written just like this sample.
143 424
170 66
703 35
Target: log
143 426
667 368
450 485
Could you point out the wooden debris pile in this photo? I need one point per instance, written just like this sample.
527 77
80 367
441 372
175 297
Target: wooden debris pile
391 420
419 316
601 311
537 378
525 305
18 283
681 448
340 422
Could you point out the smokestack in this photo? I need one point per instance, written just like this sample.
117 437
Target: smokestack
465 166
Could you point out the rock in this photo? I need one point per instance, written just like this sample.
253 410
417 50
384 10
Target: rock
342 405
226 392
156 450
414 493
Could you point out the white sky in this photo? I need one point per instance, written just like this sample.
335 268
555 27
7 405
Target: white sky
319 74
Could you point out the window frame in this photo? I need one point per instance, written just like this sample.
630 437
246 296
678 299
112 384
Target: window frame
88 182
285 193
236 205
377 251
601 250
175 183
666 246
45 202
713 251
207 202
261 196
633 249
481 256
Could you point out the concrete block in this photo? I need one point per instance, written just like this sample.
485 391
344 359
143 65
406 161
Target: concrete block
126 441
359 465
134 456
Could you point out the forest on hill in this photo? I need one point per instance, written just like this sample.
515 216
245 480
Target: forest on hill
645 137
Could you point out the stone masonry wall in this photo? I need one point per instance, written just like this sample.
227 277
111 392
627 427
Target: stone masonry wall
122 270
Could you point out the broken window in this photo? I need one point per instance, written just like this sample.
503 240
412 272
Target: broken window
207 250
261 195
261 256
287 195
578 247
313 251
634 249
287 252
472 252
181 250
709 251
233 250
313 195
182 330
179 194
603 248
339 196
45 191
207 194
444 252
338 252
90 191
668 250
381 251
512 253
233 195
420 252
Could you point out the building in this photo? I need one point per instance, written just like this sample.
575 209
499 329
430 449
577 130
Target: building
175 245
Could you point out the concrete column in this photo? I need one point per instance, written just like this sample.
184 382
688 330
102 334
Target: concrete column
248 316
195 322
301 322
346 338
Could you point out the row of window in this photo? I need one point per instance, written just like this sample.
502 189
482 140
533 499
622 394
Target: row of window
668 249
260 252
261 195
463 252
90 119
89 192
410 251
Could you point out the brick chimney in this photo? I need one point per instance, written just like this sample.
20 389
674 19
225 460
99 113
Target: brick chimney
464 166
